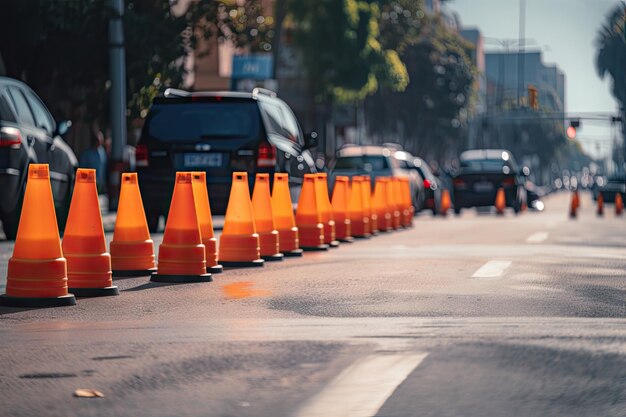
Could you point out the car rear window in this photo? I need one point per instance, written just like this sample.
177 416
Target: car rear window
483 164
195 121
366 162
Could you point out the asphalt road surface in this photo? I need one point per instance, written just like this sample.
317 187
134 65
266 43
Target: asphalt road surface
475 315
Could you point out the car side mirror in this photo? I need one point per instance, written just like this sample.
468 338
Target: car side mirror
63 127
525 171
310 140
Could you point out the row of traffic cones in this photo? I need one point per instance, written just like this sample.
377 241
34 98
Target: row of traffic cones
575 204
44 272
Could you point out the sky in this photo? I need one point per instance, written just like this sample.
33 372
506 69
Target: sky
565 31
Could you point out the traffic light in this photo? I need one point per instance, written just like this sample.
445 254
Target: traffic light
533 97
571 129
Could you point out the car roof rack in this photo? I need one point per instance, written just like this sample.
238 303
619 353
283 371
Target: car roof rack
264 91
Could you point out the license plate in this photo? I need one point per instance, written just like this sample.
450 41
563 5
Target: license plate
483 187
203 160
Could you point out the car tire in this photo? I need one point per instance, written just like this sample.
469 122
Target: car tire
457 211
153 221
10 224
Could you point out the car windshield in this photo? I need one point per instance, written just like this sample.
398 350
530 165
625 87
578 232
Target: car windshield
193 121
364 162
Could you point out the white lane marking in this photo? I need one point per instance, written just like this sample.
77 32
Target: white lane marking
492 270
537 237
362 388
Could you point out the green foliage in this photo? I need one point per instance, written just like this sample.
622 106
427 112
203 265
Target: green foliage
341 50
611 58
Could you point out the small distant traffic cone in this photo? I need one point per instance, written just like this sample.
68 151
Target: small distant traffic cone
84 245
392 201
379 202
500 201
359 221
619 204
285 221
340 201
205 221
264 219
182 254
600 211
445 203
239 242
574 204
37 271
132 249
308 217
407 203
326 210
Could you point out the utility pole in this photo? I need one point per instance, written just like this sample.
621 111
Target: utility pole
520 57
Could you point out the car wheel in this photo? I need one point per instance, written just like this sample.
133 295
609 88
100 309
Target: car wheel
153 221
10 224
457 211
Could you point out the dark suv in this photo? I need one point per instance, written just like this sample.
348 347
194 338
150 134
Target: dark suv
219 133
29 134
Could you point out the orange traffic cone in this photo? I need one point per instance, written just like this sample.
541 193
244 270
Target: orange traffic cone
407 203
84 245
500 201
600 211
341 198
205 221
366 192
308 217
445 203
182 254
239 242
326 209
619 204
132 249
400 201
574 204
264 219
37 272
392 201
285 221
359 222
380 205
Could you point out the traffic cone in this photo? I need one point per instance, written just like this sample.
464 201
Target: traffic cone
182 254
500 202
380 205
285 221
308 217
37 271
619 204
575 203
326 209
269 248
132 249
392 201
205 221
239 242
445 203
341 198
400 203
84 245
359 222
366 190
600 211
407 203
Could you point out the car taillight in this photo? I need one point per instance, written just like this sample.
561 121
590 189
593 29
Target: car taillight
426 184
458 182
266 156
508 181
141 156
10 137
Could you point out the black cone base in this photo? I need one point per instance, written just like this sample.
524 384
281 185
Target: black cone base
314 248
348 239
180 278
334 244
293 253
243 264
274 258
94 292
65 300
133 273
366 236
217 269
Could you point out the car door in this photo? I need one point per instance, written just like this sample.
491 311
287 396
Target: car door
33 137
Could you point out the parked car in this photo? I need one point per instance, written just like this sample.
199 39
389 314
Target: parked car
481 173
29 134
219 133
432 185
609 188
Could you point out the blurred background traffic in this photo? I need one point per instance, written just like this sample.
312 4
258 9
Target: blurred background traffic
442 92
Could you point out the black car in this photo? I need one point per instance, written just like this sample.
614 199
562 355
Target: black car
29 134
482 172
219 133
610 187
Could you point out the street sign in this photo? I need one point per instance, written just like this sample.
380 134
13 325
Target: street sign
254 66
